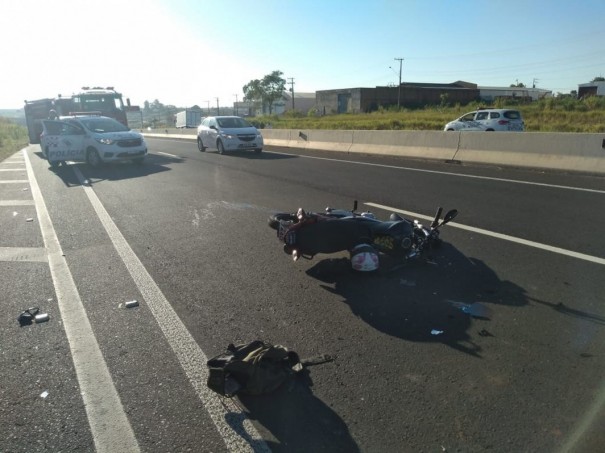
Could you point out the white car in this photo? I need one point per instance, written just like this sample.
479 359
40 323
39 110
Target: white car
228 133
488 120
90 138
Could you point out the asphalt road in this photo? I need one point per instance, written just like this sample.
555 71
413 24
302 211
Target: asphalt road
186 236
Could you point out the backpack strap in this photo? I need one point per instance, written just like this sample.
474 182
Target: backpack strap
317 360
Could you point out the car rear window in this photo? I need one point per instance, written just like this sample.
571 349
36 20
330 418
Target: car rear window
512 115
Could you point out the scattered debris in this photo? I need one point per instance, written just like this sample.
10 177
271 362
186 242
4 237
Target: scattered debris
476 309
436 332
42 317
31 315
44 394
129 304
29 219
26 318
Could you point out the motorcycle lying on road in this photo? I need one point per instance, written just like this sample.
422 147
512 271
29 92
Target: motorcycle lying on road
306 234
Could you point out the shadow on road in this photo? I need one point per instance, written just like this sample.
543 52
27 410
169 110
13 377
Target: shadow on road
423 301
282 413
154 163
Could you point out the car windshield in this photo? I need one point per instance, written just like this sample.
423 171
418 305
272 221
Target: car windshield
103 125
233 122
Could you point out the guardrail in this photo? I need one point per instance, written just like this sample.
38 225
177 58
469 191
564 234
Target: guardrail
557 151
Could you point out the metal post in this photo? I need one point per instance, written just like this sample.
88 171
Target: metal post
399 87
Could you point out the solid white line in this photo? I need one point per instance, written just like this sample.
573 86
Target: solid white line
549 248
240 438
111 430
446 173
15 181
166 154
12 169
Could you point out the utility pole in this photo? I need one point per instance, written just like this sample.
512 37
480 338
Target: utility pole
208 106
235 109
291 79
399 87
218 112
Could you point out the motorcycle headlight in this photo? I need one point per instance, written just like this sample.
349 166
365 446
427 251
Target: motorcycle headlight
105 141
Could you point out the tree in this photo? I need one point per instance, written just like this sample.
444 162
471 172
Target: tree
266 90
517 85
274 86
598 79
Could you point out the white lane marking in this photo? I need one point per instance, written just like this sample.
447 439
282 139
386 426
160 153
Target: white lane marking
446 173
25 254
240 438
111 430
17 202
167 154
549 248
15 181
12 169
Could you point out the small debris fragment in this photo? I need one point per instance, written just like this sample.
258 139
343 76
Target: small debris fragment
436 332
484 333
29 219
131 304
42 317
44 394
27 317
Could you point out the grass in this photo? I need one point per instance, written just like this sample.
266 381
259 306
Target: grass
13 137
547 115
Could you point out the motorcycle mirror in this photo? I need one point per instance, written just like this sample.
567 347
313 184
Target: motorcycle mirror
449 216
435 222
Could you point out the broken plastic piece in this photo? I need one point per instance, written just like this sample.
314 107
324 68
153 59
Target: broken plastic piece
29 219
477 310
131 304
436 332
44 394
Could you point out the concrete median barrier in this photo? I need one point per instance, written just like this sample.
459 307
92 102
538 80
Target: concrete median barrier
557 151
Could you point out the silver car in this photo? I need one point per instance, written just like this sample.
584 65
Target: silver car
228 133
488 120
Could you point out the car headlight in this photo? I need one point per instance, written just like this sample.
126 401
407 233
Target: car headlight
227 136
105 141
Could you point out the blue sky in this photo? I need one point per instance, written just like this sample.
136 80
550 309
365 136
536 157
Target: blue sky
186 52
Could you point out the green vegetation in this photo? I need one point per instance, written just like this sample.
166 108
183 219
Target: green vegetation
560 114
13 137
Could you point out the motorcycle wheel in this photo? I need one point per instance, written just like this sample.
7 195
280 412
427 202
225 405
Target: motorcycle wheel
274 219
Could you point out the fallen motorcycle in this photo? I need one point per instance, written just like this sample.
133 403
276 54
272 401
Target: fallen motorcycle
306 234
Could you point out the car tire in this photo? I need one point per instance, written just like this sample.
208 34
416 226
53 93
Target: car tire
489 130
220 147
200 145
92 157
54 163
